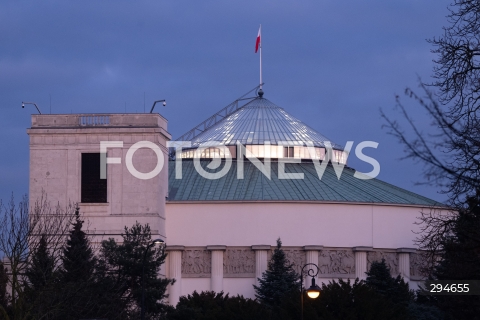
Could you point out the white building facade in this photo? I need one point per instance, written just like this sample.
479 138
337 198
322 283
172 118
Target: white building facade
221 231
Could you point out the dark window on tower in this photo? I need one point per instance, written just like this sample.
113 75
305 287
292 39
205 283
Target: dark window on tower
94 189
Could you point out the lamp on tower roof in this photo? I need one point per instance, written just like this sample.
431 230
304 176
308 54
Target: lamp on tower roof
33 103
155 102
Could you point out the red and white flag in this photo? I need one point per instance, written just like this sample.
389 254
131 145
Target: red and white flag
258 43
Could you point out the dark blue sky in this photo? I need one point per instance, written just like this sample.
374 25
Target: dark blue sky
332 64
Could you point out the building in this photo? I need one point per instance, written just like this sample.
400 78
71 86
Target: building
250 174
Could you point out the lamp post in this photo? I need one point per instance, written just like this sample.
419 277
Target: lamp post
314 291
155 102
154 242
24 103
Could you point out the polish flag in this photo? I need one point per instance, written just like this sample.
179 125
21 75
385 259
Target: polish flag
257 44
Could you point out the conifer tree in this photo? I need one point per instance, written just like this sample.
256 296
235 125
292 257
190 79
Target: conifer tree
278 280
127 259
217 305
41 268
78 259
461 261
4 298
84 292
346 300
393 289
39 287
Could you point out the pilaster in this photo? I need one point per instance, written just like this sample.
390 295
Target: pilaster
216 279
361 261
261 260
311 255
175 272
404 262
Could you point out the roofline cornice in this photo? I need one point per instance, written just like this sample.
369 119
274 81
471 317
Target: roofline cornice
196 202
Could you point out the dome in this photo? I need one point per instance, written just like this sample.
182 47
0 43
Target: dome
265 130
258 122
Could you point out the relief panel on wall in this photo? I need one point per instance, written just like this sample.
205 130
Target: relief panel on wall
297 258
295 255
391 260
239 262
336 263
416 265
196 263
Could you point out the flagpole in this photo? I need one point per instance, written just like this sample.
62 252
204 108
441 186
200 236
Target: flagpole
261 57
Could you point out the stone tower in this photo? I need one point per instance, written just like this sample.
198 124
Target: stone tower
129 184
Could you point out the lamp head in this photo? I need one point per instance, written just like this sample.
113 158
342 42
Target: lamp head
158 241
164 103
314 291
23 105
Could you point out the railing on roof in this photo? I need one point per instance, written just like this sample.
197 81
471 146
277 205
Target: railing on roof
88 120
94 120
220 115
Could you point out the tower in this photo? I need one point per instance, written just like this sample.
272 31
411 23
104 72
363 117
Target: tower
129 184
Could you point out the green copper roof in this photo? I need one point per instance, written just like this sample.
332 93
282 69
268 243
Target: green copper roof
257 187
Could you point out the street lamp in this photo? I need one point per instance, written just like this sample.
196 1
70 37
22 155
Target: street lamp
24 103
314 291
155 102
154 242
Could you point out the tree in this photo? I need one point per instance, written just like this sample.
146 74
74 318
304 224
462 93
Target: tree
85 289
76 279
450 152
125 262
211 305
4 297
39 286
461 258
78 259
392 289
278 280
41 269
21 231
461 261
346 300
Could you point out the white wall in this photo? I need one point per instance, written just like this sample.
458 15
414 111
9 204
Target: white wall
296 223
337 225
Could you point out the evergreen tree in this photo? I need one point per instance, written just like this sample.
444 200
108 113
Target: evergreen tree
461 261
78 259
346 300
86 291
126 259
39 287
41 268
210 305
424 311
4 298
278 280
392 289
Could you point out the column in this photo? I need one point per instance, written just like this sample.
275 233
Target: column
361 261
175 272
311 254
404 262
261 260
216 278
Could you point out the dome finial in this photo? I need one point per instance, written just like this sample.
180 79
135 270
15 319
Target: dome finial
260 93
